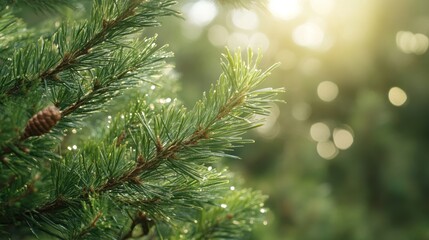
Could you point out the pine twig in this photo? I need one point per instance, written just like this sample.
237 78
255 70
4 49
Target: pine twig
142 220
30 189
90 226
70 58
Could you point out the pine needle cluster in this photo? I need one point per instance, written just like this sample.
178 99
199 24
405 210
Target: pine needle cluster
148 171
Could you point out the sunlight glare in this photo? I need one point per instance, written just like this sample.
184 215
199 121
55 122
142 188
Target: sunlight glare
201 13
285 9
309 35
245 19
322 7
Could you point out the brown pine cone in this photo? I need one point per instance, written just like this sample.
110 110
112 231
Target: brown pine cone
42 122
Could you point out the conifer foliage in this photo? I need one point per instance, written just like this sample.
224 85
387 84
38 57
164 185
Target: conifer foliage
150 171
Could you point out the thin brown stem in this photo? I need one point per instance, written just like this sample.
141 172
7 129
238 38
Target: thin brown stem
90 226
90 95
69 59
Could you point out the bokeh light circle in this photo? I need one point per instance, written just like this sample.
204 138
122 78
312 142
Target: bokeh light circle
327 150
397 96
343 138
320 132
327 91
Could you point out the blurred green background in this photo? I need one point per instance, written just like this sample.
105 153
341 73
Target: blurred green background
347 157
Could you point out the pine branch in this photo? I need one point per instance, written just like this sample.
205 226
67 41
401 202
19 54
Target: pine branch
89 227
128 67
133 15
157 164
38 5
11 33
167 149
111 21
130 64
226 99
232 99
231 217
151 166
69 59
29 189
140 219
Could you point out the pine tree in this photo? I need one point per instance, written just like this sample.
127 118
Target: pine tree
140 164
